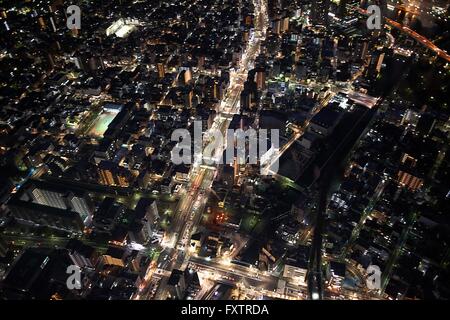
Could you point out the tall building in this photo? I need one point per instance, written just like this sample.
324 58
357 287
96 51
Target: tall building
248 20
235 171
201 62
280 25
276 26
147 218
249 96
376 63
187 76
319 12
409 181
47 197
53 206
192 282
214 88
111 174
184 76
361 48
188 96
107 216
3 13
246 100
336 273
379 62
161 69
41 23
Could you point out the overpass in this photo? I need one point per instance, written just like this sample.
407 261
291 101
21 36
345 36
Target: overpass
413 34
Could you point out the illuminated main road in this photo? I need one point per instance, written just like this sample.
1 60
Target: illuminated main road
195 195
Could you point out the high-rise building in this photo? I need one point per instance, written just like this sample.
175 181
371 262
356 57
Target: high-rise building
361 49
51 205
161 69
188 98
280 25
246 100
379 62
38 274
248 20
245 35
249 95
47 197
177 284
276 26
285 24
55 196
201 62
214 88
235 171
336 272
376 63
192 282
107 215
82 205
261 79
187 76
41 23
111 174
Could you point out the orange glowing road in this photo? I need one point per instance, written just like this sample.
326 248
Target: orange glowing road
195 194
424 41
